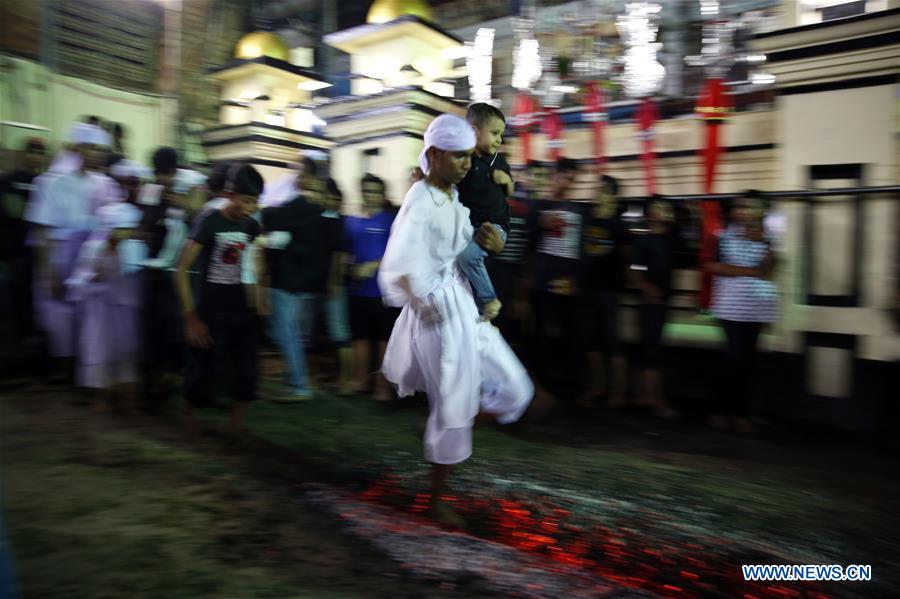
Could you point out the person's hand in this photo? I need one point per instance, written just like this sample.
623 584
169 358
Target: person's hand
428 313
501 177
195 331
366 270
489 238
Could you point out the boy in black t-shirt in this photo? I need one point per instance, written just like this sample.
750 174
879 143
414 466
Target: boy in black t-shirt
652 267
222 323
483 191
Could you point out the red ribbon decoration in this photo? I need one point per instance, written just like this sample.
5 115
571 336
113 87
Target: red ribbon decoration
552 126
595 113
647 115
713 106
524 116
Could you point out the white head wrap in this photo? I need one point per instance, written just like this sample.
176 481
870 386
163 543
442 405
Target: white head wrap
447 132
125 169
85 133
119 215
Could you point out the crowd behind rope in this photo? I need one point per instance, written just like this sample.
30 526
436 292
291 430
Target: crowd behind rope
144 284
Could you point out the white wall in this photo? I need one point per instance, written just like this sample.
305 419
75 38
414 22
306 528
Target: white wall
30 93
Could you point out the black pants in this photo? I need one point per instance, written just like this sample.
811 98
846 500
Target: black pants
19 270
739 367
652 320
232 355
370 319
560 336
505 276
601 320
162 328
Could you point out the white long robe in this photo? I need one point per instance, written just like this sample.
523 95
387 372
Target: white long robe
461 362
66 207
105 291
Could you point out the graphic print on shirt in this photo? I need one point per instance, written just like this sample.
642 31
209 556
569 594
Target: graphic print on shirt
225 259
564 240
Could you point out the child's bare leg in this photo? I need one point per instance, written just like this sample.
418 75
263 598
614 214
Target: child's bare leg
345 369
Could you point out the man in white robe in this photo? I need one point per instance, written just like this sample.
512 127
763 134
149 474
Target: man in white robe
439 344
64 212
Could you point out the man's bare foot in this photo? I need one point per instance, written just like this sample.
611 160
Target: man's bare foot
382 393
491 310
443 514
541 405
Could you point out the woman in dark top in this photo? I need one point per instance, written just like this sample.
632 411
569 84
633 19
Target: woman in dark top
652 268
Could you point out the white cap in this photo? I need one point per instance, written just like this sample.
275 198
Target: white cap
125 169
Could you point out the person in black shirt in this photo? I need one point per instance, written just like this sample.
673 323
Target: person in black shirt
605 246
222 323
292 274
328 260
15 189
556 274
652 267
483 191
164 230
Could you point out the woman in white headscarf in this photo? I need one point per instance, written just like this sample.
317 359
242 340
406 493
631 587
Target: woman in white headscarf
439 344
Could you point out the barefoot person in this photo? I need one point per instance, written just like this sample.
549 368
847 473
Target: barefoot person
439 344
221 324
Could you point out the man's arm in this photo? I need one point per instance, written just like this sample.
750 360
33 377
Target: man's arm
196 333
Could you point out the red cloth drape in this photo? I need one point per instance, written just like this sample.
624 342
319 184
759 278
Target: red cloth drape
713 107
647 115
595 113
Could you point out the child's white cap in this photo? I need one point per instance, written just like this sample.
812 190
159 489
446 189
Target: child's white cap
120 215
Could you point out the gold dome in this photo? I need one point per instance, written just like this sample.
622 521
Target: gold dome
383 11
261 43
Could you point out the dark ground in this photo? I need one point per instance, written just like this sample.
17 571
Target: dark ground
323 499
